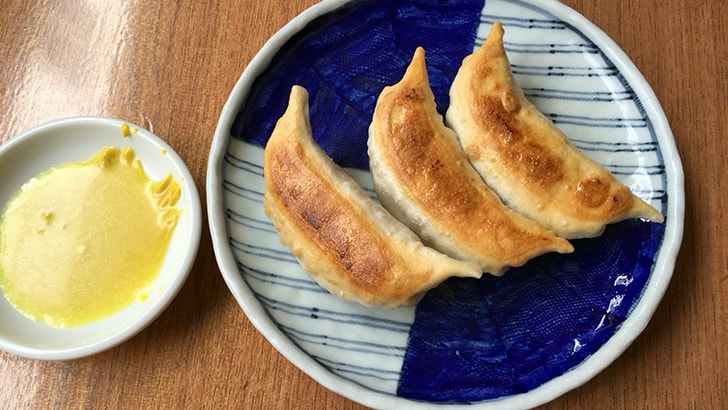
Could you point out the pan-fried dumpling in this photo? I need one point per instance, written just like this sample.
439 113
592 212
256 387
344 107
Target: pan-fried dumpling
527 160
422 176
343 239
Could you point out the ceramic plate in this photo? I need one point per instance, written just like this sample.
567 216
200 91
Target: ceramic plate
515 341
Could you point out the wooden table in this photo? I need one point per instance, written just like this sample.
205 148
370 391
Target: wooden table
171 67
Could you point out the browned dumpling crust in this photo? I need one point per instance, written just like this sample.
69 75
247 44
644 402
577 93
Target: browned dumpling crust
423 177
525 158
342 238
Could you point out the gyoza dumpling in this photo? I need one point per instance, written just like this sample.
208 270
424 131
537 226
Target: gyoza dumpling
525 159
422 176
343 239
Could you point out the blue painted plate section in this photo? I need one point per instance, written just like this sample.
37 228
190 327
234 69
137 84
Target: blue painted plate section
483 339
468 340
345 59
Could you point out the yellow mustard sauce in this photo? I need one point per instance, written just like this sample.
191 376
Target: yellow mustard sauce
84 240
127 131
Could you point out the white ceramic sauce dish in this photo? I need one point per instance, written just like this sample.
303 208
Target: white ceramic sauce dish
77 139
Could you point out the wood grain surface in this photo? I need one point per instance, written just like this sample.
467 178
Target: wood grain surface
170 67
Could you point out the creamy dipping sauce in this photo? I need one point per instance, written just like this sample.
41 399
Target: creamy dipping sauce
84 240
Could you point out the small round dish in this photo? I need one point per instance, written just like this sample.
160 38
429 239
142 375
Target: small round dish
77 139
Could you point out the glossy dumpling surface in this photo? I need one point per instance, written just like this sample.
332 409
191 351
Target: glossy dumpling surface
423 177
525 158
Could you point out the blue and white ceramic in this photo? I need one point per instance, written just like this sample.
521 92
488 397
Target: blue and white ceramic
515 341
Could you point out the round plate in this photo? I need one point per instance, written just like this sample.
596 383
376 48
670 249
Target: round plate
516 341
77 139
